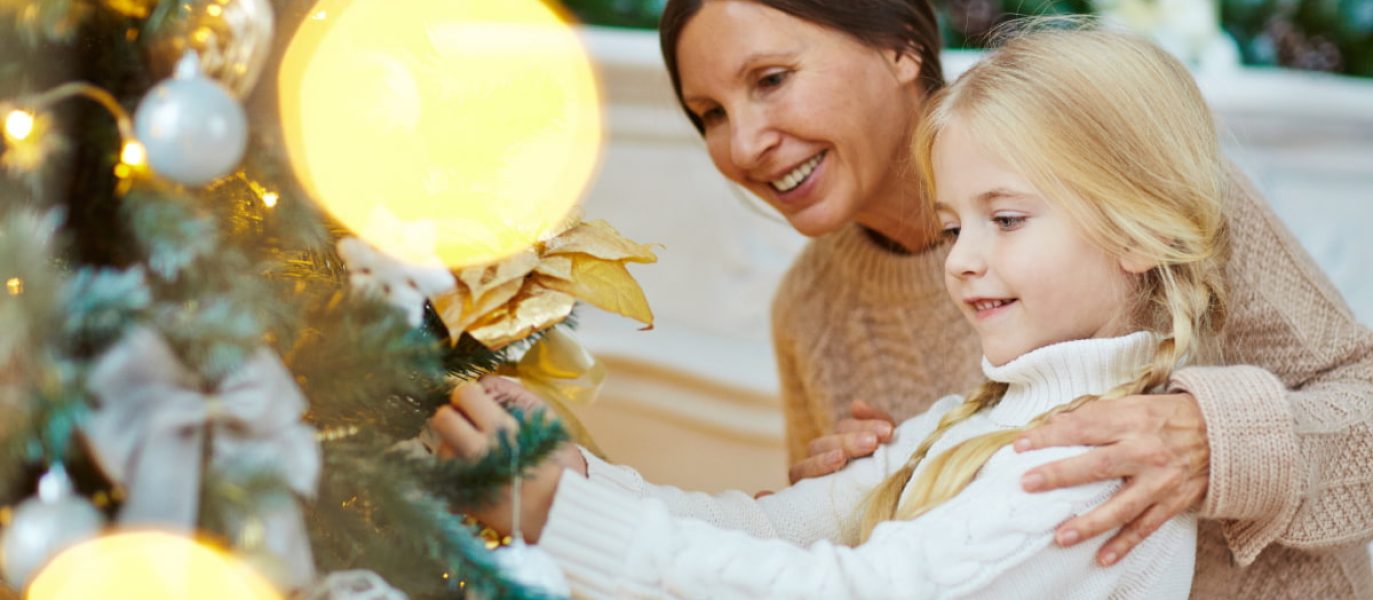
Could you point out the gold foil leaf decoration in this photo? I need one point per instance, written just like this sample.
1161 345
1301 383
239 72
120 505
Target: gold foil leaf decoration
600 240
531 291
606 285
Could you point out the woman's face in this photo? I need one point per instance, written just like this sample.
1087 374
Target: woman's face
807 118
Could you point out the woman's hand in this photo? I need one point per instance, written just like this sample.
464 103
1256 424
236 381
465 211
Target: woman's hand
855 437
468 428
1156 443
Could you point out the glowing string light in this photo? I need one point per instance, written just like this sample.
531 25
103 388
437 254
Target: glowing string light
18 125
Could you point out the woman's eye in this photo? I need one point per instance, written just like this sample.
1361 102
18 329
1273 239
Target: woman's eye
712 115
772 80
1008 222
951 232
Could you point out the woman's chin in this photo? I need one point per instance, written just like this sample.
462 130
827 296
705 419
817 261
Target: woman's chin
814 221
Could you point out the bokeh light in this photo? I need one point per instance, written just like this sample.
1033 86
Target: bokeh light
148 565
463 130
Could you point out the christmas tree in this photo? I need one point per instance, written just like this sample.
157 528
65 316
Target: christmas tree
193 342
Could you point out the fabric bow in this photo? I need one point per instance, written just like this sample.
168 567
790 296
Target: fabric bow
148 434
561 371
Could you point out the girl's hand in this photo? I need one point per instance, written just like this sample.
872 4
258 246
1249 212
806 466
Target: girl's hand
855 437
468 427
1156 443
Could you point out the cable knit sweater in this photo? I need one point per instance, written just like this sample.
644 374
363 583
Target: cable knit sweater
1290 505
616 537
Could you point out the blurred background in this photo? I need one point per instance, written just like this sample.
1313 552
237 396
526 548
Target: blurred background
694 402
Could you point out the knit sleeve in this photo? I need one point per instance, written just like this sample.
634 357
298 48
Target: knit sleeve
1292 435
990 540
803 422
821 508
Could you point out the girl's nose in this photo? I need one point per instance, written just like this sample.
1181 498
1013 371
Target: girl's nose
965 259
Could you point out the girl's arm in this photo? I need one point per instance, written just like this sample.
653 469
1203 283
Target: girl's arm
993 540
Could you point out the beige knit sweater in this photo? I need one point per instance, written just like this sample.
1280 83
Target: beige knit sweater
1289 512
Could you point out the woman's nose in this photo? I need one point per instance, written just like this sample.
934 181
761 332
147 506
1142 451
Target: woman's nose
752 137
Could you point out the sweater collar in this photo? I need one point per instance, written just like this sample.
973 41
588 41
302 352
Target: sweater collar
890 276
1057 374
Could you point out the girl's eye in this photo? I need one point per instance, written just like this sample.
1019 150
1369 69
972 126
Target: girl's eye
951 232
772 80
1008 222
712 115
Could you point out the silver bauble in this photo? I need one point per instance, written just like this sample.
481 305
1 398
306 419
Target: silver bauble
44 526
193 129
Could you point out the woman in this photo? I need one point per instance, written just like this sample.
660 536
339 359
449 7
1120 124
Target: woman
809 105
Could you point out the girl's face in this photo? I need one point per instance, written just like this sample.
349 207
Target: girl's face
807 118
1021 270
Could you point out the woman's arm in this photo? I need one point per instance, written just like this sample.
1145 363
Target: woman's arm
1290 438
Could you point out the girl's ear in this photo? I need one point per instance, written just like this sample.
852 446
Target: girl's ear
904 64
1132 262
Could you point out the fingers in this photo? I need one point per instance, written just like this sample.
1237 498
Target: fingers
817 465
1097 423
881 429
459 436
1107 462
1135 532
861 410
509 393
853 445
481 409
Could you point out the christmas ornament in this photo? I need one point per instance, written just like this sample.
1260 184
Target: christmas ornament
528 565
148 565
352 585
191 128
536 288
404 285
232 37
44 526
479 118
150 426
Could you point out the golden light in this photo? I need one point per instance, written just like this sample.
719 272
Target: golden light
148 565
15 286
18 125
270 199
472 126
133 154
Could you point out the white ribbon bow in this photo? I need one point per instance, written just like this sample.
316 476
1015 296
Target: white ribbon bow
149 432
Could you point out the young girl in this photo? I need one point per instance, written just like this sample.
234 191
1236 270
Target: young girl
1078 177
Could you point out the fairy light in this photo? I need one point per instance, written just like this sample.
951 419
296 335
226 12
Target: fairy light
134 154
270 199
18 125
15 286
214 10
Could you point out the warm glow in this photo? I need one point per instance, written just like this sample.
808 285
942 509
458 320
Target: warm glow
270 199
15 286
468 126
18 124
214 10
148 565
133 154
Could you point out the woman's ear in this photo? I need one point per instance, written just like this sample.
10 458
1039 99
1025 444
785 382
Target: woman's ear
904 64
1134 263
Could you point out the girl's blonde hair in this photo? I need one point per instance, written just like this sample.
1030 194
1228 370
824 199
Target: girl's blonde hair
1114 131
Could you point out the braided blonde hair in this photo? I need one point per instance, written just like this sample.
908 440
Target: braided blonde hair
1114 130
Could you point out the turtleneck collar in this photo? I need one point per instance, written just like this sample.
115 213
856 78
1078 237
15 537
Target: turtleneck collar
1056 374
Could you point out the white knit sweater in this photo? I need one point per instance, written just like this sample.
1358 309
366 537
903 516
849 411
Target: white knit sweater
617 536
